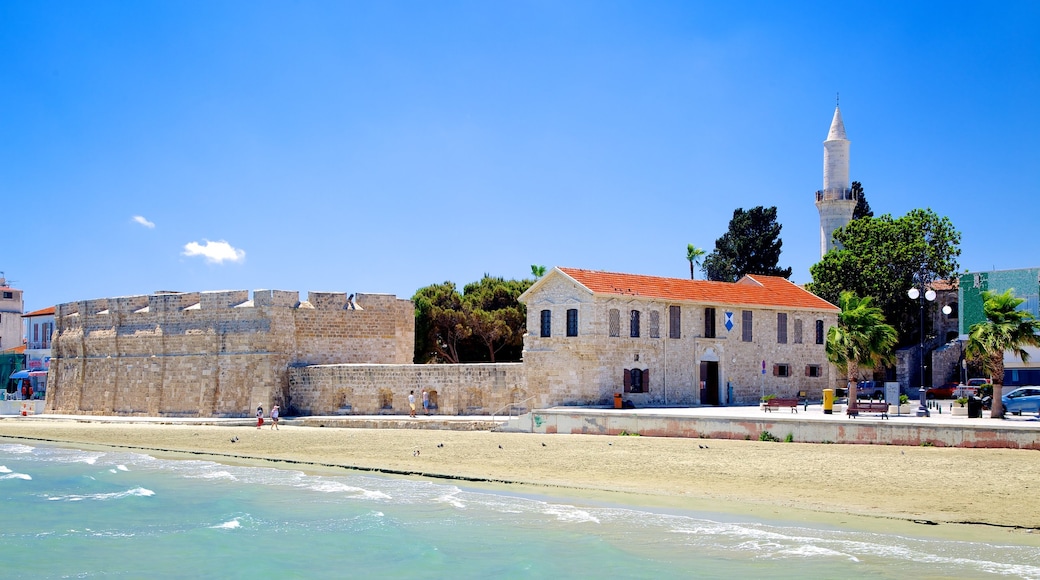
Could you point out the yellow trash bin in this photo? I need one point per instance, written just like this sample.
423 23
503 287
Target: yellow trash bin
828 401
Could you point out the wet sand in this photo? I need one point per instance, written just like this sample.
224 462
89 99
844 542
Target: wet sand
984 487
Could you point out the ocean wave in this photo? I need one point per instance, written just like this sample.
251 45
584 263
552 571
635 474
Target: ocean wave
16 448
229 525
4 469
135 492
332 486
12 475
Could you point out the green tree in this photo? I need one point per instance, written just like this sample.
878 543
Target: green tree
496 317
537 271
484 323
750 246
883 258
1005 329
862 206
440 323
861 339
694 256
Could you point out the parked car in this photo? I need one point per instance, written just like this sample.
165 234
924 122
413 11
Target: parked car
975 388
944 392
1022 399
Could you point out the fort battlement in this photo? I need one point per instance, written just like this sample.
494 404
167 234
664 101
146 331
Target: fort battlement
213 353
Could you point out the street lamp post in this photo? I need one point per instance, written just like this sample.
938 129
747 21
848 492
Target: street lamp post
929 295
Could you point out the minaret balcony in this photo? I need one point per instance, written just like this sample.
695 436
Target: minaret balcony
835 195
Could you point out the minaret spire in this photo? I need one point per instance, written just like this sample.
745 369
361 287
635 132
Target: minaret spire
835 201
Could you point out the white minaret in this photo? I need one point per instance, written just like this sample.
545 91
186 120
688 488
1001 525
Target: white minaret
835 201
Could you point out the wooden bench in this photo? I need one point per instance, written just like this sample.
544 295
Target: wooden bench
777 402
857 407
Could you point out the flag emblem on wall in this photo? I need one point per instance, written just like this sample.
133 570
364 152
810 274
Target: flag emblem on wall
729 321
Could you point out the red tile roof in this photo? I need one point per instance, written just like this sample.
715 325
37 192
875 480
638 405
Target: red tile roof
41 312
752 290
15 350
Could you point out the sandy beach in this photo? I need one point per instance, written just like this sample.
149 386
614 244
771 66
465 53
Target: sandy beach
984 487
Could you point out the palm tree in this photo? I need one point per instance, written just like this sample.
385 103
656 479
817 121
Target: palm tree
1005 329
537 271
861 338
694 255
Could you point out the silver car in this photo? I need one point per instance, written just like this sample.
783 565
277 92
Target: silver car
1022 399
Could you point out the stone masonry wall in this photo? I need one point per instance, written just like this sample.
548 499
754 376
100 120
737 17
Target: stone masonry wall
468 389
211 353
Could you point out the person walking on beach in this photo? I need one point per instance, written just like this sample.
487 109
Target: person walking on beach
411 403
274 417
426 402
259 416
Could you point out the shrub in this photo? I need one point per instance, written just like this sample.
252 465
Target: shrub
767 436
789 438
767 398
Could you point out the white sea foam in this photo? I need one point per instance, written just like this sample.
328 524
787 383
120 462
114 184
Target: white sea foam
16 448
135 492
229 525
122 468
452 498
4 469
24 476
569 513
220 474
333 486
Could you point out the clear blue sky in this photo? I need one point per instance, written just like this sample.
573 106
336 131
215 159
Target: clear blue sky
383 146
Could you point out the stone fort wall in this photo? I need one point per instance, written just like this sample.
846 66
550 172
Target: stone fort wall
369 389
213 353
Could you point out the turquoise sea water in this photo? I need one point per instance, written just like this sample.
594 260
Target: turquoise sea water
68 513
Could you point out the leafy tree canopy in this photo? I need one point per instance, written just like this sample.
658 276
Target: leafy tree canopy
485 323
862 206
883 258
861 339
751 246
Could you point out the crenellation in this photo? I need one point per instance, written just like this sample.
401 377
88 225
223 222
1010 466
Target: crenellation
328 300
223 299
275 298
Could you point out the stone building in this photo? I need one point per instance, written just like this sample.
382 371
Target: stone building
671 341
213 353
836 202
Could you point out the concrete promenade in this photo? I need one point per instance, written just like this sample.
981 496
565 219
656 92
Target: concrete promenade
808 425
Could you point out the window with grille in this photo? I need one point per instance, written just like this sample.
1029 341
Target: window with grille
572 322
746 325
709 323
546 323
781 328
674 322
813 371
797 331
633 325
655 324
614 322
819 332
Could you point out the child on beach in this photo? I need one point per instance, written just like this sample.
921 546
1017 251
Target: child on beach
259 416
411 403
274 417
425 402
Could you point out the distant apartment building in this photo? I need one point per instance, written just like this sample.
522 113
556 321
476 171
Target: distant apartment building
39 330
10 316
1025 284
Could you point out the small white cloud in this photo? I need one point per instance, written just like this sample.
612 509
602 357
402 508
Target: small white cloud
144 222
215 252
